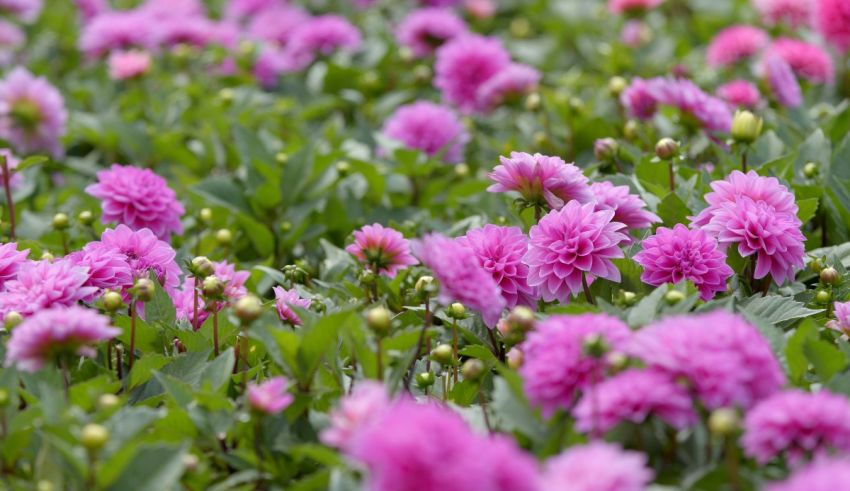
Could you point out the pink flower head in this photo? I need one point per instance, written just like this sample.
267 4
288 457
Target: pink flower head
695 106
144 252
832 19
824 474
739 93
632 7
108 269
116 30
461 277
285 300
124 65
138 198
276 24
238 10
45 284
54 332
499 251
184 304
429 127
751 185
234 281
10 260
425 30
195 31
734 44
464 64
540 180
571 243
793 12
356 413
381 249
679 254
634 396
635 33
270 64
25 10
798 425
513 81
32 113
270 397
597 466
322 35
628 208
481 9
556 366
638 99
726 360
234 289
782 82
807 60
89 9
11 39
841 322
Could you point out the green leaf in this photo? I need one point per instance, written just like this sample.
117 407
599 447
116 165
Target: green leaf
673 210
161 308
31 162
798 363
808 208
776 309
154 468
645 311
825 357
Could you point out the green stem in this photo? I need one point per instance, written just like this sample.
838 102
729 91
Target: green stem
10 202
379 358
131 355
586 289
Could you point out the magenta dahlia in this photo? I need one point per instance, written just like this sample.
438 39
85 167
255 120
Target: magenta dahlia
540 180
751 185
10 260
44 284
632 7
356 413
276 24
597 466
430 128
638 100
695 106
108 269
734 44
424 30
32 113
271 396
322 36
125 65
793 12
824 474
782 82
841 322
807 60
629 209
832 19
25 10
116 30
382 250
466 63
184 304
512 82
11 39
285 300
739 93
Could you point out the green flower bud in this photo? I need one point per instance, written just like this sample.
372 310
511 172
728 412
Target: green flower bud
532 102
143 290
514 358
85 217
12 320
520 27
281 157
605 149
810 170
595 346
443 355
673 297
666 148
94 437
829 276
616 86
206 215
630 129
379 320
248 308
112 301
461 170
425 284
190 462
202 267
816 265
521 318
367 277
108 402
224 237
425 380
627 298
456 311
226 95
343 168
822 296
212 287
46 256
472 370
724 421
422 73
746 127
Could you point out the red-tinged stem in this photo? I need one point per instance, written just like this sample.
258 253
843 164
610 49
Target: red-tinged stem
195 305
586 289
7 188
379 358
131 355
215 331
671 171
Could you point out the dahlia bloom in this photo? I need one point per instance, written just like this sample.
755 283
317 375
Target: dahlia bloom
782 82
285 300
276 24
43 284
464 64
572 243
89 9
597 466
425 30
25 10
124 65
11 38
807 60
751 185
270 64
793 12
356 413
555 365
734 44
841 322
635 33
138 198
461 277
184 304
797 424
832 20
638 100
116 30
679 254
381 249
499 251
430 128
234 281
32 113
481 9
195 31
629 209
632 6
108 269
270 397
10 260
144 252
51 333
238 10
824 474
439 3
634 395
695 106
511 82
322 35
540 180
740 93
726 361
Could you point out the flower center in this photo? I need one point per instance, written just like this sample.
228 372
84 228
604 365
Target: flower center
26 114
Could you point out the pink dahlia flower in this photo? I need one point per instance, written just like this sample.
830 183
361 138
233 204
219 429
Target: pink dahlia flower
144 252
540 180
270 397
430 128
782 82
108 269
32 113
832 19
234 281
425 30
461 277
510 83
797 424
679 254
572 243
556 366
89 9
10 260
481 9
25 10
632 6
734 44
234 289
381 249
285 300
807 60
44 284
499 251
634 396
726 360
751 185
739 93
323 36
138 198
125 65
597 466
356 413
841 322
464 65
793 12
184 304
55 332
11 39
638 100
629 209
239 10
696 107
276 24
118 30
824 474
635 33
270 64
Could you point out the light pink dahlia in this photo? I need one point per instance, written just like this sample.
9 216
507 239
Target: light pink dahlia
271 396
540 180
322 36
45 284
797 425
285 300
425 30
782 82
793 12
233 279
382 250
10 260
464 65
632 7
499 251
628 208
832 20
555 364
11 39
238 10
841 322
184 304
734 44
108 269
144 252
56 332
638 100
510 83
824 474
430 128
807 60
739 93
572 243
726 360
751 185
679 254
635 33
32 113
634 396
125 65
355 414
597 466
461 277
276 24
116 30
695 106
25 10
89 9
138 198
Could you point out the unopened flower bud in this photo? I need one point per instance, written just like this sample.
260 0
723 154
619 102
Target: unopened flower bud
12 320
379 320
343 168
224 237
367 277
206 215
540 138
673 297
617 360
281 157
248 308
143 290
723 421
285 226
461 170
810 170
630 129
425 380
514 358
179 347
425 284
521 318
61 221
108 402
520 27
532 102
85 217
47 256
226 95
822 296
472 370
94 437
627 298
405 53
666 148
422 73
617 85
456 311
4 397
370 80
442 354
190 462
202 267
595 346
746 127
44 485
816 265
605 149
829 276
112 301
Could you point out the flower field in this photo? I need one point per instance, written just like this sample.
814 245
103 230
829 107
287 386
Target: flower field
415 245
